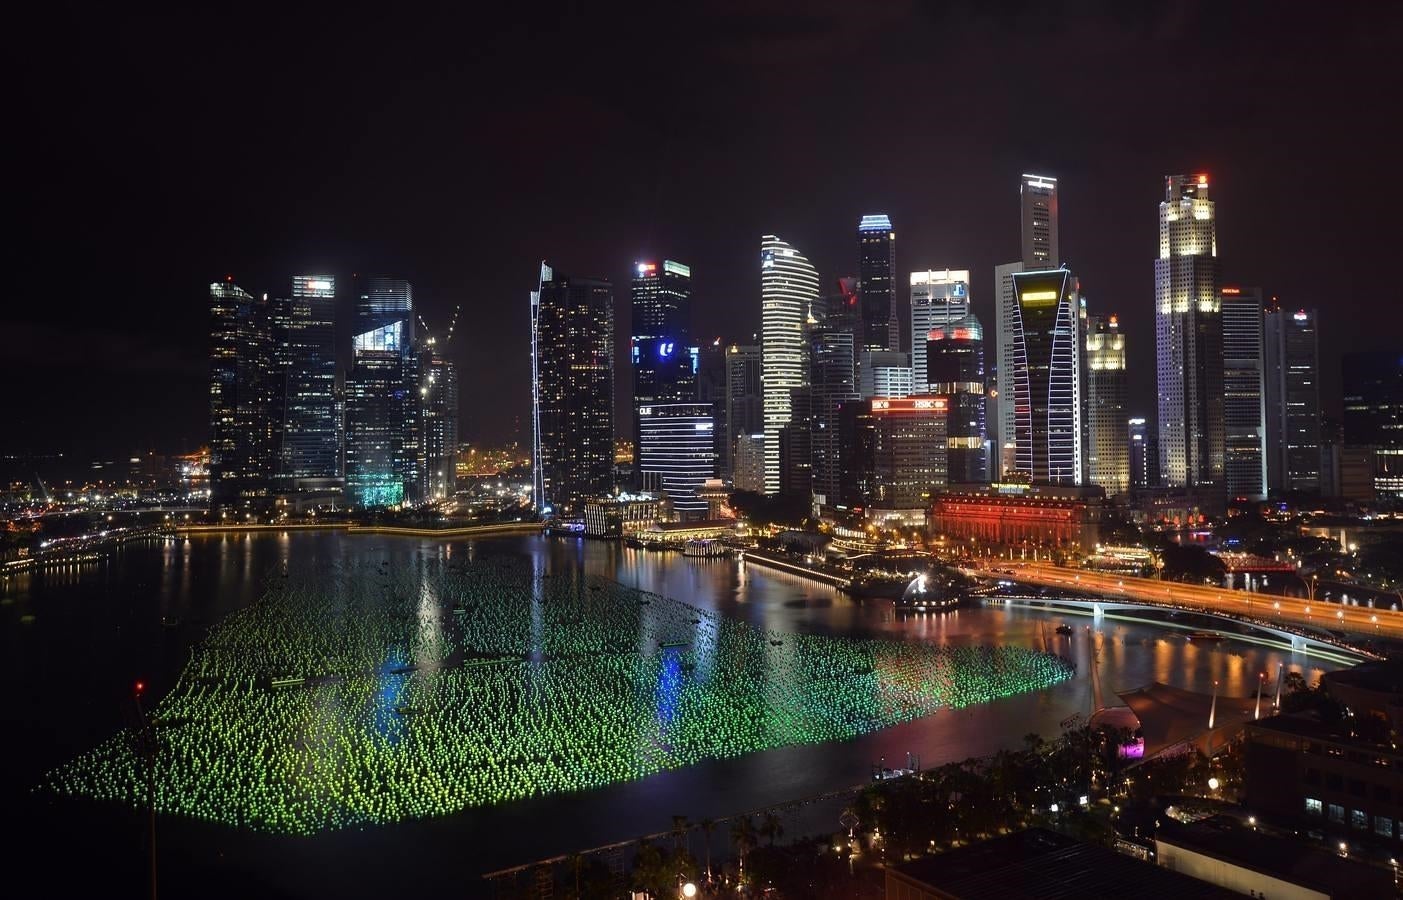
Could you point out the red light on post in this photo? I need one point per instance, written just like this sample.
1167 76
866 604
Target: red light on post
140 688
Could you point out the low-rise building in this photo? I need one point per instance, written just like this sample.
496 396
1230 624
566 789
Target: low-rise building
1021 516
622 515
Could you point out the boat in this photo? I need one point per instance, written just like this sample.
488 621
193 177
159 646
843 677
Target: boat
1204 636
1064 629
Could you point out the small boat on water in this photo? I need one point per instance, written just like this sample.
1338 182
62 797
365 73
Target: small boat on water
1064 629
1204 636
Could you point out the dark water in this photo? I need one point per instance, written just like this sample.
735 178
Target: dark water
75 641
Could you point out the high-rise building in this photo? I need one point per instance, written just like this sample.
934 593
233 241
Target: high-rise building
1142 454
1244 403
1107 450
894 452
884 373
744 401
1043 381
796 452
788 289
572 362
748 463
1038 228
1292 399
1189 337
937 298
305 341
663 362
832 375
1037 196
1373 413
876 273
676 440
380 402
711 389
384 299
438 395
955 362
243 453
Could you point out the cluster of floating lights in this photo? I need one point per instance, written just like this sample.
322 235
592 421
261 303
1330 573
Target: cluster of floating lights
383 694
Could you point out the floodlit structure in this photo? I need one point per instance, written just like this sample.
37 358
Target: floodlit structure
1244 403
1107 450
1043 381
788 288
937 298
876 273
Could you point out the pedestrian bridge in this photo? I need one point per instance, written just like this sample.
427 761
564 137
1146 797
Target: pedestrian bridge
1328 647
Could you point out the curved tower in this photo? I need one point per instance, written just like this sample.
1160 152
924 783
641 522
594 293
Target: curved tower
788 287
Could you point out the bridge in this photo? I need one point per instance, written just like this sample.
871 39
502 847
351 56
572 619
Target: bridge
1307 625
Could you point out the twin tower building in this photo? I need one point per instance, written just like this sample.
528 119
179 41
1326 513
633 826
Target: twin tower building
880 393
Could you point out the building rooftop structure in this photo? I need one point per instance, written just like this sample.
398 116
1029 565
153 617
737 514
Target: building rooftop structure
1040 865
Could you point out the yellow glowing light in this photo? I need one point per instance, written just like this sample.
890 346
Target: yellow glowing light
1036 296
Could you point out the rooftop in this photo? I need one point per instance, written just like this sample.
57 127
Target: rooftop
1041 865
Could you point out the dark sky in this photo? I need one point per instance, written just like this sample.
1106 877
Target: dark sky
152 153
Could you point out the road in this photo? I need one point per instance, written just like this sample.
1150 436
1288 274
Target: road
1288 611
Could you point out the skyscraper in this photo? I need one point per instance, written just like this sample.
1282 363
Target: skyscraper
832 375
676 440
788 288
1189 337
884 373
955 362
1038 228
1142 454
438 396
1373 413
306 340
1043 381
572 363
1107 451
243 455
744 401
1292 399
876 273
936 299
895 452
711 389
664 367
1244 404
383 425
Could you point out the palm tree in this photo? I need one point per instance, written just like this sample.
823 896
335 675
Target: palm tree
771 827
743 836
707 827
680 827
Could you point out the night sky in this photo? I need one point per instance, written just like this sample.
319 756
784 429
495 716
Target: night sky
154 153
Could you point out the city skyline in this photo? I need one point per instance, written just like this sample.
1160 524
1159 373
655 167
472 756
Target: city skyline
455 213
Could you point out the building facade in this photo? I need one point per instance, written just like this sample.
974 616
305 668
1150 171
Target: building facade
438 396
748 464
955 365
884 373
310 453
1373 414
1292 400
1189 337
1244 397
572 362
243 450
876 273
745 413
894 452
1027 517
1043 381
381 398
676 440
788 289
832 369
937 298
1107 447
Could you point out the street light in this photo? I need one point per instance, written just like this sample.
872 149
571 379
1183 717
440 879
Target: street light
689 890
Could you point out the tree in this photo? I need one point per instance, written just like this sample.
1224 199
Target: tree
1191 563
707 827
743 838
771 827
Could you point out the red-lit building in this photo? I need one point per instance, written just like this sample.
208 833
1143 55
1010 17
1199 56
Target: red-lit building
1020 515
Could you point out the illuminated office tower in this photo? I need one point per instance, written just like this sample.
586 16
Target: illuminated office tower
1038 228
1107 450
676 440
876 274
1043 380
1244 397
243 455
572 368
955 360
788 289
1142 453
894 452
748 463
711 389
438 402
884 373
744 402
305 339
664 369
1292 399
383 439
1189 337
1373 415
937 298
832 384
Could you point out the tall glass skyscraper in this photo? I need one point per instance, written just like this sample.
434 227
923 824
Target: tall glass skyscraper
1189 337
788 288
676 440
1244 405
937 298
832 384
1107 450
663 362
1373 413
438 401
243 450
876 273
1292 399
572 366
305 337
1044 378
745 415
383 424
955 361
